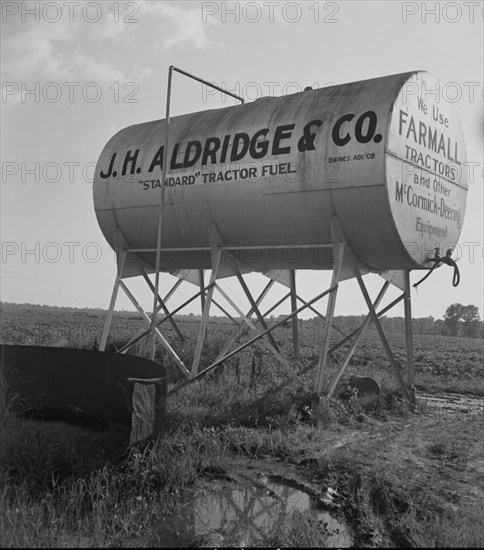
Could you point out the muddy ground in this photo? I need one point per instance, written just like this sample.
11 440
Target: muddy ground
431 460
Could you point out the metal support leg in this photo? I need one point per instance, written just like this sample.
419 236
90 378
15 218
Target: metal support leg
166 345
112 303
244 328
321 316
294 321
379 328
224 311
409 337
172 290
249 343
323 358
206 313
234 305
201 274
151 337
163 306
288 367
355 341
353 334
143 333
253 304
348 338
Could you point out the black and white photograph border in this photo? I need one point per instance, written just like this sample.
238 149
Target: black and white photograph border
241 285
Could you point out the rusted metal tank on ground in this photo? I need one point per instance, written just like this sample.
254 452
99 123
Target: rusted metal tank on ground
98 404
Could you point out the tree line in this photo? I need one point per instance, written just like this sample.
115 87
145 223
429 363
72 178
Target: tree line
459 321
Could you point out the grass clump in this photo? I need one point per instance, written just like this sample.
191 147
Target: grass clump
108 505
300 530
48 500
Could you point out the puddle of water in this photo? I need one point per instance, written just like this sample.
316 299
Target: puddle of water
245 517
453 403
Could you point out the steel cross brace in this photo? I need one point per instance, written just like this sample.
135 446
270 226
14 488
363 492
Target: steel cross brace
163 306
162 320
321 316
244 327
339 237
343 253
346 339
250 342
165 343
380 313
271 345
294 321
255 308
339 251
383 339
216 245
355 341
169 316
107 324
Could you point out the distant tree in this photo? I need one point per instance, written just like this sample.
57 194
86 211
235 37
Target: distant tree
439 326
470 321
471 314
452 317
457 316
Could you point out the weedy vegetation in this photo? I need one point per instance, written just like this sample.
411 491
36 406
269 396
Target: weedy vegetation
403 478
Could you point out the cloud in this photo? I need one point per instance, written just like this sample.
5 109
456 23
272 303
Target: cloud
282 11
140 73
36 50
111 27
77 51
98 71
178 26
9 272
9 94
58 52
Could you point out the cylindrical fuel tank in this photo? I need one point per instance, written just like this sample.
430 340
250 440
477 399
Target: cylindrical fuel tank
385 157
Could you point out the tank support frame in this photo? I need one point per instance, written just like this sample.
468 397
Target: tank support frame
225 264
346 264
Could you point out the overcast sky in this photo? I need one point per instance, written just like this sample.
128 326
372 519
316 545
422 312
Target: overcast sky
74 73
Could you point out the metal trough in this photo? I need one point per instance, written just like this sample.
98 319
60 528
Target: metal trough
114 400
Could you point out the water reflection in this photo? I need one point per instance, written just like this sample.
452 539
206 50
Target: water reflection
246 517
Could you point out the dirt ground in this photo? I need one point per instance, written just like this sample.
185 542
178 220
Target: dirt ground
436 454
